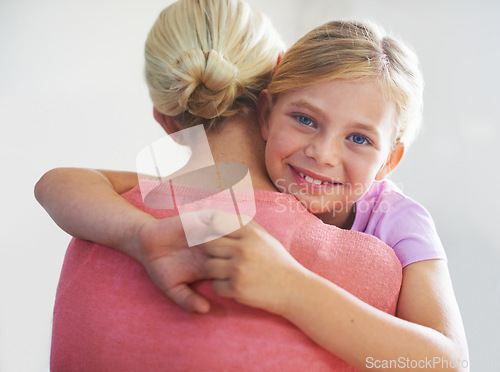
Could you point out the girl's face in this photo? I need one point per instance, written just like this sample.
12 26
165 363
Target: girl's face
327 143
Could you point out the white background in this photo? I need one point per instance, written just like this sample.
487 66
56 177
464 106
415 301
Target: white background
72 94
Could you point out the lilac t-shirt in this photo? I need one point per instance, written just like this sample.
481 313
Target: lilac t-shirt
385 212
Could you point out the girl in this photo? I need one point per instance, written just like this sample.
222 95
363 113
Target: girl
336 118
343 104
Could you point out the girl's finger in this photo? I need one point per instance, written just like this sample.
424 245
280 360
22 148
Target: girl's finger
217 268
226 224
220 248
188 299
223 288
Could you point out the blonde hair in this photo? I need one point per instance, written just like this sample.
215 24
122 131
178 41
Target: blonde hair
354 51
207 60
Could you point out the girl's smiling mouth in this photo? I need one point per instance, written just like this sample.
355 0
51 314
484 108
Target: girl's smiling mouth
307 178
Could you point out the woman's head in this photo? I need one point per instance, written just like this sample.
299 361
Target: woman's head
207 60
357 51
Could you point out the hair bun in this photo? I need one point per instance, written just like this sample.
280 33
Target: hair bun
219 72
206 82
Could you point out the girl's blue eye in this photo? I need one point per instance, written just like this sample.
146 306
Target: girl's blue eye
304 120
358 139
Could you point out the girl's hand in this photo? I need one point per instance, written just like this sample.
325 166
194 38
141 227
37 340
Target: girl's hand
252 267
170 262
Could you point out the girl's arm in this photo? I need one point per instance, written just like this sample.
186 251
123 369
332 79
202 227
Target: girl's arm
255 269
86 204
427 332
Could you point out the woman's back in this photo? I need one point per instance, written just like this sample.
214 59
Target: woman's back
109 314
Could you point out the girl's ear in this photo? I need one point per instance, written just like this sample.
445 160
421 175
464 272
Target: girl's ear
264 108
392 161
167 122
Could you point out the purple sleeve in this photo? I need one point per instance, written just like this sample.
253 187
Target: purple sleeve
410 231
401 223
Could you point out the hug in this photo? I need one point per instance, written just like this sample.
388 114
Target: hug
336 268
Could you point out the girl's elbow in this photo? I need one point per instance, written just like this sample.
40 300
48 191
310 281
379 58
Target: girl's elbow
43 184
40 186
457 359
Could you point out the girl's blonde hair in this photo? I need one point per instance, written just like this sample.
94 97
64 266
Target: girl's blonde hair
207 60
355 51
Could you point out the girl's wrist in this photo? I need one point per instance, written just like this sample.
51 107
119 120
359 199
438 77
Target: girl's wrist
132 241
291 298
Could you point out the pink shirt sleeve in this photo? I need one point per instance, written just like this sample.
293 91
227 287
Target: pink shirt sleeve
400 222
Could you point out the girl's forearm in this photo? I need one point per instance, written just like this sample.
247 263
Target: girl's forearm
362 335
85 204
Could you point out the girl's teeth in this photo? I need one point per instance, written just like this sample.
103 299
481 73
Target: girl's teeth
312 180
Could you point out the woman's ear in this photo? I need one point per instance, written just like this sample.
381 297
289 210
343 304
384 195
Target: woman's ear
392 161
167 122
264 108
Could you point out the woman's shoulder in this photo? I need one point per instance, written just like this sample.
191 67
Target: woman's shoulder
160 199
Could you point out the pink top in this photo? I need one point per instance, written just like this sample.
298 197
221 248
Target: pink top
109 316
385 212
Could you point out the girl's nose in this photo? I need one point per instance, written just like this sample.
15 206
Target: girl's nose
325 151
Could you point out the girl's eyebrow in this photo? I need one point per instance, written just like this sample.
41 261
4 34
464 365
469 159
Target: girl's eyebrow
366 127
305 104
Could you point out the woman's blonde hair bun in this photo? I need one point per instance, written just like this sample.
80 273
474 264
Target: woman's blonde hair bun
207 60
206 83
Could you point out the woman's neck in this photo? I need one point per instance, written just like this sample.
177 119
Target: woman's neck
240 141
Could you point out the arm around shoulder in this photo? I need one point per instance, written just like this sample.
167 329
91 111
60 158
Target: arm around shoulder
427 333
427 298
86 204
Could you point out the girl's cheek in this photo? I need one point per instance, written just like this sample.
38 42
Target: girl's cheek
361 164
